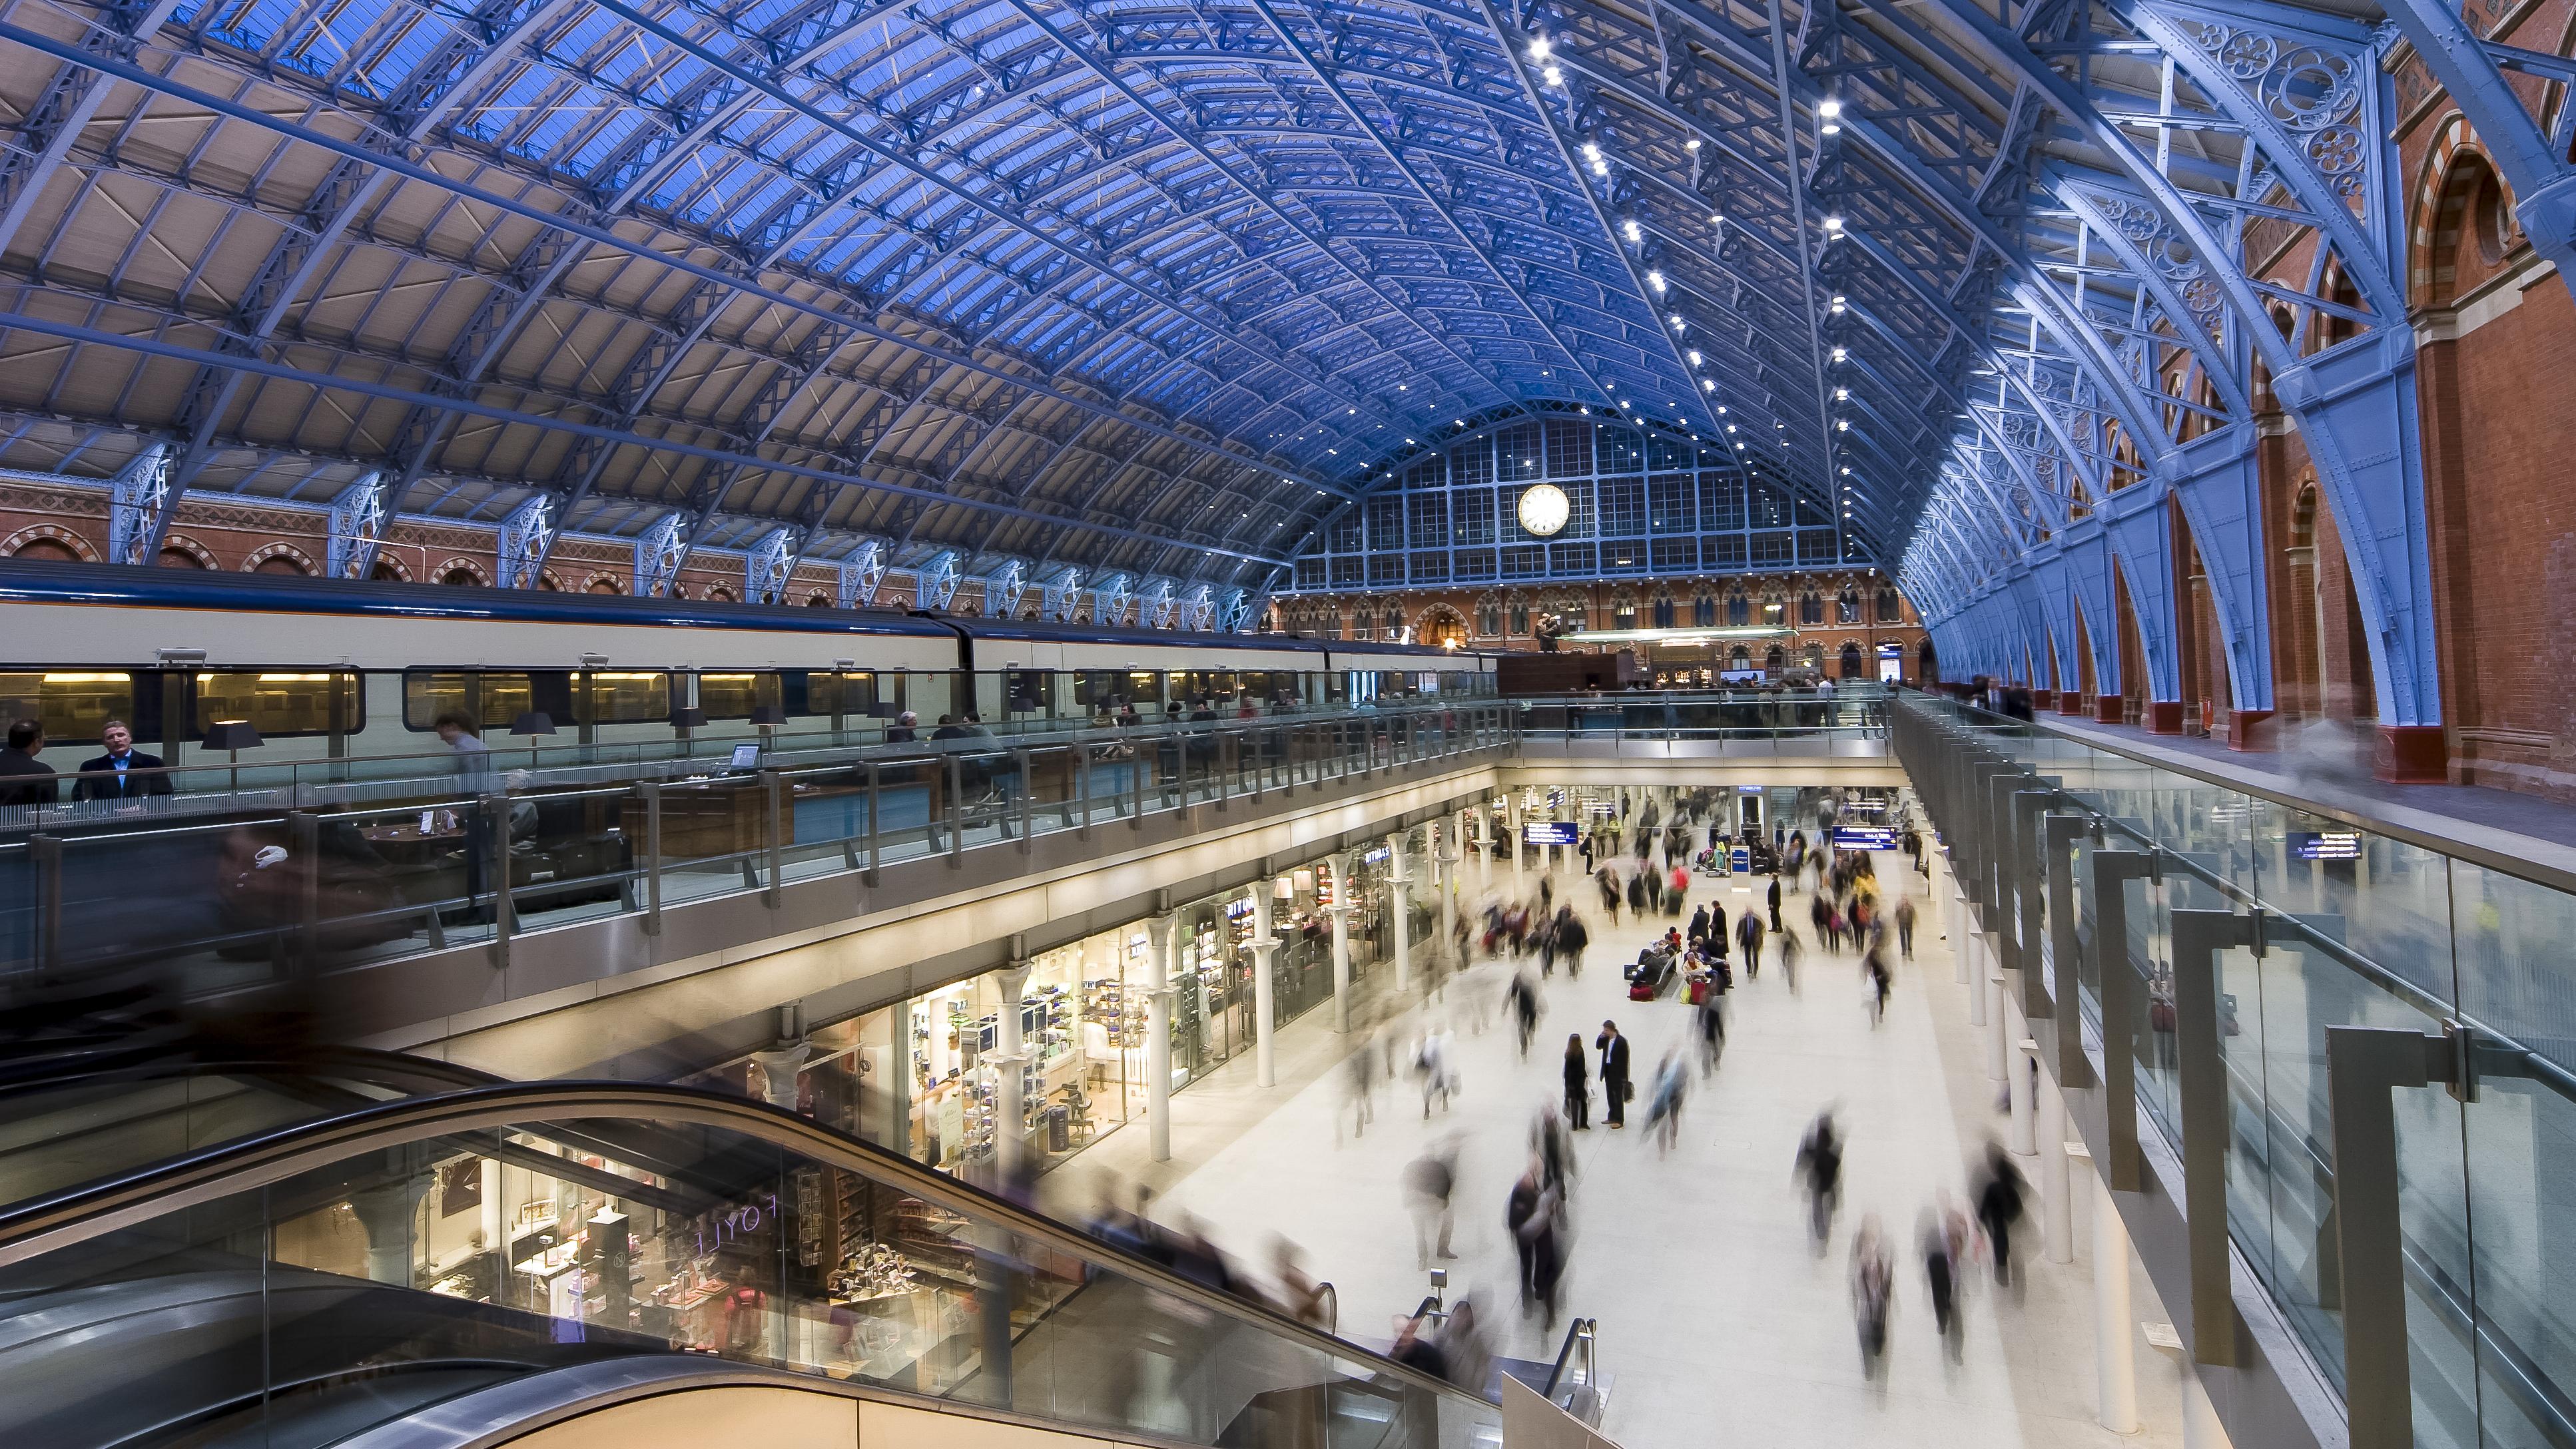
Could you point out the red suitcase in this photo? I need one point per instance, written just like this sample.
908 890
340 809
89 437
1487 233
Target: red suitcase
1641 991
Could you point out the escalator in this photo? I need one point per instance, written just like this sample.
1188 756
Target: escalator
437 1266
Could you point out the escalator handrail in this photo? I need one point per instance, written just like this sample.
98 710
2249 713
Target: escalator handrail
371 1065
75 1215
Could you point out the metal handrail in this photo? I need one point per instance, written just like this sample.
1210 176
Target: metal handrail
1584 1331
2488 1045
76 1215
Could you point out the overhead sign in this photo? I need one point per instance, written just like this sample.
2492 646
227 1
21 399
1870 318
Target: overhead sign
2325 845
1864 837
1548 832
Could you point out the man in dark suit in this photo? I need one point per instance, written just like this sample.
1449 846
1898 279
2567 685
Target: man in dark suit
124 772
22 780
1614 1071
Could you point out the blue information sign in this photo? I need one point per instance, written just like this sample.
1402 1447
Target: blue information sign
1864 837
1741 859
2325 845
1548 832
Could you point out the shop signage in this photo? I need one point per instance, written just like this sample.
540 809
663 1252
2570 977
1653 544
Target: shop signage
1741 859
1548 832
2325 845
1864 837
736 1224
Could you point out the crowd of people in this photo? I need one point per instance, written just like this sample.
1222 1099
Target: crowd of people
1654 866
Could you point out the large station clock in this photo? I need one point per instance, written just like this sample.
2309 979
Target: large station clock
1544 509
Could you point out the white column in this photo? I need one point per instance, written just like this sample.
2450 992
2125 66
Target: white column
1399 901
1972 974
2201 1428
1010 1055
2115 1364
1265 988
1340 911
1512 822
1484 847
1161 942
1998 1043
2023 1061
2056 1186
1448 884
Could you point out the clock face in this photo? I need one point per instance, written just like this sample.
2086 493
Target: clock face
1544 509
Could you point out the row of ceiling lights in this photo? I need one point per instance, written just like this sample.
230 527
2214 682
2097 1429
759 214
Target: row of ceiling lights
1829 122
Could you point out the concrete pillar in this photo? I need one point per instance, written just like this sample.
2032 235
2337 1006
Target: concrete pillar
1448 881
1998 1040
785 1058
2023 1062
1265 989
2201 1428
1340 911
778 1068
385 1213
2056 1186
1512 823
2115 1364
1484 847
1972 974
1961 943
1009 1058
1161 943
1399 901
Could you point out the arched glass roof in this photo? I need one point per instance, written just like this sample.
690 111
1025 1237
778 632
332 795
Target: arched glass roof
1158 286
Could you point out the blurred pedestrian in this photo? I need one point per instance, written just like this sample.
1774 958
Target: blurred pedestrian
1873 1287
1708 1021
1905 926
1792 952
1999 1205
1571 936
1361 1075
1664 1104
1524 1004
1820 1171
1943 1236
1428 1182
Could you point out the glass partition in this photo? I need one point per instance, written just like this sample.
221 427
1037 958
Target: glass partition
2358 926
431 1261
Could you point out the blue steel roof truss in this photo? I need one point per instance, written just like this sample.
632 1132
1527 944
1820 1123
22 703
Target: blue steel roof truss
1149 291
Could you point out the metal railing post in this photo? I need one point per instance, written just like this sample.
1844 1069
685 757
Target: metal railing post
45 853
652 790
305 831
1082 789
770 787
876 820
1020 759
2363 1065
496 809
2201 1070
956 810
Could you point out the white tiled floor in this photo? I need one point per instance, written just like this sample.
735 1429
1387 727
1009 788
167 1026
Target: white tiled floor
1719 1326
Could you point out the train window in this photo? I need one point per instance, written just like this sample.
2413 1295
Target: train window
637 697
840 693
71 706
491 699
281 704
733 696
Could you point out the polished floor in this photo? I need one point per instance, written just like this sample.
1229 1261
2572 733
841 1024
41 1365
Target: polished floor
1718 1323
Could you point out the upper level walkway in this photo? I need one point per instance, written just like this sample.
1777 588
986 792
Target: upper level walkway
2332 778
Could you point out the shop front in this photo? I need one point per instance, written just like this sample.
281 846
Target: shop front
923 1076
